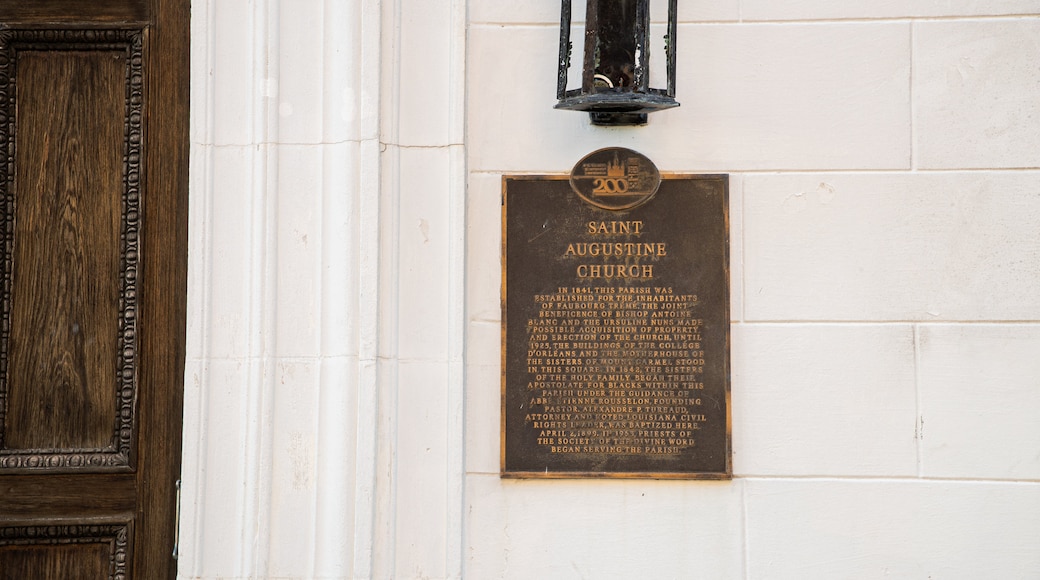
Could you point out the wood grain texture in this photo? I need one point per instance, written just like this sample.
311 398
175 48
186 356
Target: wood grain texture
62 381
43 562
59 549
95 495
36 12
163 304
156 231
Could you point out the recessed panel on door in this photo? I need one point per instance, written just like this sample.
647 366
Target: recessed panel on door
70 207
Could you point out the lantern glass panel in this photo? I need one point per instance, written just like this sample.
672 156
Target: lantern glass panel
658 49
611 48
614 42
577 37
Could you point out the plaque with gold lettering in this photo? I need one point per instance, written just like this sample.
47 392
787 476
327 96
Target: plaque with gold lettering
615 325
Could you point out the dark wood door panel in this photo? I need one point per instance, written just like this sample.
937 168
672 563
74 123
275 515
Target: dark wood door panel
43 12
66 550
74 561
62 380
55 496
93 272
71 200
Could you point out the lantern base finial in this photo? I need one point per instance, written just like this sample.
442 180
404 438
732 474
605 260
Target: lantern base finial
615 119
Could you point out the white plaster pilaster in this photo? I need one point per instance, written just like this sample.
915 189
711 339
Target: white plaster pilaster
305 352
420 491
252 466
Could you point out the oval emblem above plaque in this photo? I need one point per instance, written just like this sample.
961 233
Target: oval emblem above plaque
615 178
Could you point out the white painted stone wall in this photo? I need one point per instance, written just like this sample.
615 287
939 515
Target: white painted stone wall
342 392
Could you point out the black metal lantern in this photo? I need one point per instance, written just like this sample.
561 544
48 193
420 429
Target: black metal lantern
615 77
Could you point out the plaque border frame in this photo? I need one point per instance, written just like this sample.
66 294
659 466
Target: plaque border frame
669 475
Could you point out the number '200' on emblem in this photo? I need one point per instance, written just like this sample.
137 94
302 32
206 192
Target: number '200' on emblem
615 178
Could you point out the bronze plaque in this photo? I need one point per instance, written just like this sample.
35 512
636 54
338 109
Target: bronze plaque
616 331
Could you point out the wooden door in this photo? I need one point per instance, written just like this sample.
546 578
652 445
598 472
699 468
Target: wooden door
93 200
